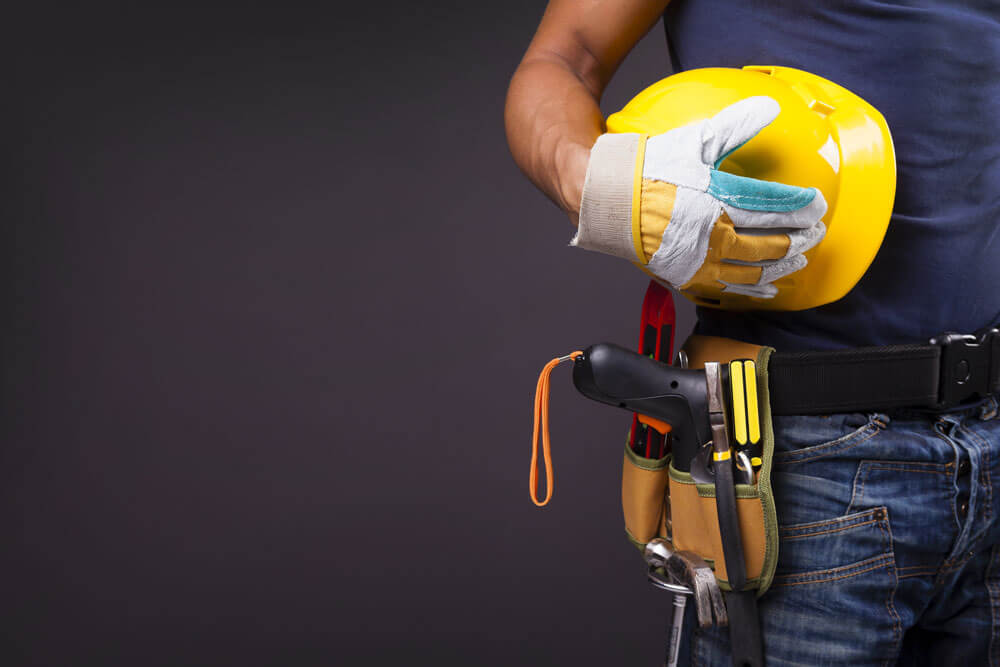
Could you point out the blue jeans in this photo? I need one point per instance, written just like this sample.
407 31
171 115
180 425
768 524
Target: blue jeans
889 542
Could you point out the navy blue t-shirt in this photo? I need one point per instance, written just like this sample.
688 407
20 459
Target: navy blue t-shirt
933 69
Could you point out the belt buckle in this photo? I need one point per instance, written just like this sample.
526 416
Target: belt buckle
967 366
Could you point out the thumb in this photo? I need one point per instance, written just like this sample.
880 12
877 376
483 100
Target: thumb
735 125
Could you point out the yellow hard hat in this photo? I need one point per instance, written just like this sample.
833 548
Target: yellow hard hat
825 137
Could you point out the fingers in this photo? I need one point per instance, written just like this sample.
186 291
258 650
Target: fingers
759 291
760 244
750 247
745 274
802 240
755 245
740 276
735 125
747 261
771 272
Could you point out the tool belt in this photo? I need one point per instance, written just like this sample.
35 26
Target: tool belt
710 496
661 500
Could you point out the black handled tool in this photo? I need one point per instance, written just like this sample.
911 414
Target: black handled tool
613 375
744 625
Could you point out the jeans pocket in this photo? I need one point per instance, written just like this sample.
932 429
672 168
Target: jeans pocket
801 439
835 549
832 598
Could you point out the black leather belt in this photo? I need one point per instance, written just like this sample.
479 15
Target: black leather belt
949 370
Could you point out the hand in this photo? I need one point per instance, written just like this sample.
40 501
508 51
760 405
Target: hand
697 226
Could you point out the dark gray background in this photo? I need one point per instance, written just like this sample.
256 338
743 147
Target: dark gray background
277 298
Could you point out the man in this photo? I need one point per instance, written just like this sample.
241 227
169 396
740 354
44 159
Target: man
889 519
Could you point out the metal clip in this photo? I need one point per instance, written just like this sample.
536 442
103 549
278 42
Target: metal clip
967 366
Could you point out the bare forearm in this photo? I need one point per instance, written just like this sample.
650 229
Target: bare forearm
552 120
552 114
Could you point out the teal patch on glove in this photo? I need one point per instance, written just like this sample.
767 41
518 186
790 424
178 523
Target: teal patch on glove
753 195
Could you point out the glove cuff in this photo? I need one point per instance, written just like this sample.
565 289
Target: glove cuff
609 196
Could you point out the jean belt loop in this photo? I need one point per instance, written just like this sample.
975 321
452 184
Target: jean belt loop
989 410
881 420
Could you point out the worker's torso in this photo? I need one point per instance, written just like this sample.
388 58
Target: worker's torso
933 70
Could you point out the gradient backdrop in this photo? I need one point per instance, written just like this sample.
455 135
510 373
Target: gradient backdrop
276 300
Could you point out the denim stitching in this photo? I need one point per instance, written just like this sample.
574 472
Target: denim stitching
858 516
900 468
890 603
993 589
845 572
955 564
918 567
988 482
883 524
950 564
986 502
985 480
924 572
856 491
847 437
820 451
832 530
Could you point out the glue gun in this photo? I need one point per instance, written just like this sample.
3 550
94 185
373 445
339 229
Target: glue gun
667 398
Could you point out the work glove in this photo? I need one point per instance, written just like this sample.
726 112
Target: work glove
662 203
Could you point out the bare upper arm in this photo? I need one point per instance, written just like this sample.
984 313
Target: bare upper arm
591 38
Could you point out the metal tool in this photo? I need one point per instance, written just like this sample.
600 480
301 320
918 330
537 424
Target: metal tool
703 470
690 570
680 595
685 573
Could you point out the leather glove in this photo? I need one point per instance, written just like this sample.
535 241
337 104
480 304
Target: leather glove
662 203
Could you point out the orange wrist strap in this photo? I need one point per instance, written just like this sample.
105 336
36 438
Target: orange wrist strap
542 415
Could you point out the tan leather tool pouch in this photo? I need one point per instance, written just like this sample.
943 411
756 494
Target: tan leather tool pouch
644 489
696 525
661 501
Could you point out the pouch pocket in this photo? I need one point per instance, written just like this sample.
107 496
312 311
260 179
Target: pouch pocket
695 523
644 489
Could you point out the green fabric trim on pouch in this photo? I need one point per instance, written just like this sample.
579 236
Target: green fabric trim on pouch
681 476
764 480
751 583
708 490
742 491
644 463
641 546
